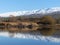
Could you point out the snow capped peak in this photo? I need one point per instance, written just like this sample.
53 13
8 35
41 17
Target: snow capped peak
18 13
38 11
54 9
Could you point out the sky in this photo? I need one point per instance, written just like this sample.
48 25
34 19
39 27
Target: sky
22 5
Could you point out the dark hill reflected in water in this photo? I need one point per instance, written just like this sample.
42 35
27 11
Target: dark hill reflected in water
47 31
33 31
36 33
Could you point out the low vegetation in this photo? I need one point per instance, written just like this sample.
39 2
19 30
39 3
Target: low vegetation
46 22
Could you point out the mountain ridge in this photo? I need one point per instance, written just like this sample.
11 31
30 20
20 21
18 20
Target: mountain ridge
39 11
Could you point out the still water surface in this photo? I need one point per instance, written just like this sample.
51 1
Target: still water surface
30 38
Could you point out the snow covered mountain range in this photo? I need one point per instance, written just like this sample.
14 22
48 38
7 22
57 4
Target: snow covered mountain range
41 12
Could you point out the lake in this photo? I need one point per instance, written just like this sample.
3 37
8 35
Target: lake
35 37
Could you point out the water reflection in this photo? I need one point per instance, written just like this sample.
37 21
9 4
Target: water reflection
36 33
47 31
31 30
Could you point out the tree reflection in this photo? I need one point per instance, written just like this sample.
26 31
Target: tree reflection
47 31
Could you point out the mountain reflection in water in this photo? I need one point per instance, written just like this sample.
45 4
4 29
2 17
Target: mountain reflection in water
36 33
34 30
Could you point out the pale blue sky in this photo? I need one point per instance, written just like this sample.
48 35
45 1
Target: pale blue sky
18 5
